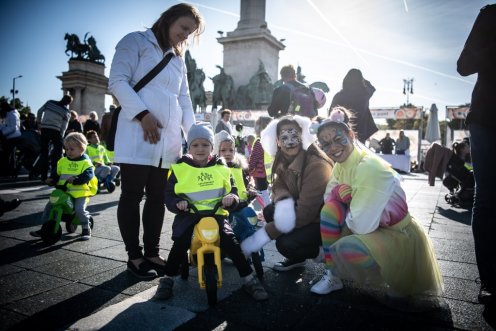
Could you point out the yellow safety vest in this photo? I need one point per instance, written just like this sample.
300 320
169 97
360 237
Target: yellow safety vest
267 162
67 168
96 153
202 187
237 175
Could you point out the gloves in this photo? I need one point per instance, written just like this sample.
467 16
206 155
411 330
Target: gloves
342 193
255 242
285 215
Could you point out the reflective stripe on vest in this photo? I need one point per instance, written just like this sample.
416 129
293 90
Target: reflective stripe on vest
237 174
96 154
202 187
67 168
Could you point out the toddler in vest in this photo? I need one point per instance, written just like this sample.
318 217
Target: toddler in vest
200 173
244 218
77 170
105 171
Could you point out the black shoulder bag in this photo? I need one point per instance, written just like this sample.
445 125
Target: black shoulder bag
143 81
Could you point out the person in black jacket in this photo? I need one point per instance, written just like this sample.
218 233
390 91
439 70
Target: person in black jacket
355 96
91 123
281 97
74 124
479 56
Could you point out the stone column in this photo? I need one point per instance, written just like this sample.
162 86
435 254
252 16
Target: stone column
88 85
249 43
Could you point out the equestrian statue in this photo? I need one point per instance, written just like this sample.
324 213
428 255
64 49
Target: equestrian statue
86 50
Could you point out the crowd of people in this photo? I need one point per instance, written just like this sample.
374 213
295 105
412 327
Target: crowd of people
325 196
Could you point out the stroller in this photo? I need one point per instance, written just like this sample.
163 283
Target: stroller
460 182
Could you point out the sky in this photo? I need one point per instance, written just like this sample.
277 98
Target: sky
388 40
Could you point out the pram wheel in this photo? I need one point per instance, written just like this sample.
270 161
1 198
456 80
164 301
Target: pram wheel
257 264
48 233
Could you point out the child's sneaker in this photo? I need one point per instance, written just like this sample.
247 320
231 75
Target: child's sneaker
256 290
86 234
164 290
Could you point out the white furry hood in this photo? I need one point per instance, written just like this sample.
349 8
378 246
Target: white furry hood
269 135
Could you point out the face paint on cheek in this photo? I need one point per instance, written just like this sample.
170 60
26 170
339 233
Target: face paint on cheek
340 135
289 138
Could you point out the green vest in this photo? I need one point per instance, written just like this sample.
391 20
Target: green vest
67 168
202 187
237 175
96 153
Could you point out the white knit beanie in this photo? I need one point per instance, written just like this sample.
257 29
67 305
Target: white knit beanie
219 138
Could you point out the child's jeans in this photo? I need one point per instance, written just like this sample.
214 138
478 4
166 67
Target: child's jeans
101 172
79 208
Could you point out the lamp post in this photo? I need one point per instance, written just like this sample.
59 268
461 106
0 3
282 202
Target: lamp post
14 92
408 89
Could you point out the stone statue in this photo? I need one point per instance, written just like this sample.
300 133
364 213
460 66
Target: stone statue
196 77
83 51
94 54
223 90
257 93
75 46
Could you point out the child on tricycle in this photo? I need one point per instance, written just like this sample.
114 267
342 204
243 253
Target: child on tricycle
75 173
202 179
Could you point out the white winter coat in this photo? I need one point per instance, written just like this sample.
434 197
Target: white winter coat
166 96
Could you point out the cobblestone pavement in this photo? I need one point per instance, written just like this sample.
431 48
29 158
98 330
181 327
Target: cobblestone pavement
84 285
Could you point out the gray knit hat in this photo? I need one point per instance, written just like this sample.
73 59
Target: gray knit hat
201 130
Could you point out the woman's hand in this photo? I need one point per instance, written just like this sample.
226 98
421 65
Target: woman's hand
151 126
182 205
342 193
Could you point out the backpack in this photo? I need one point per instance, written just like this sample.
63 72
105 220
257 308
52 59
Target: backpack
303 101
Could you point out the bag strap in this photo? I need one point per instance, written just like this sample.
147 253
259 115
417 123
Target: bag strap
152 73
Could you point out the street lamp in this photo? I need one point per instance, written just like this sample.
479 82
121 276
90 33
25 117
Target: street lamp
14 91
408 89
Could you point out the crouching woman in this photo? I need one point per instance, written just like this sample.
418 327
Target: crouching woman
368 235
301 171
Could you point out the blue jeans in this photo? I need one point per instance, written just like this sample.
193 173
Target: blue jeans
482 140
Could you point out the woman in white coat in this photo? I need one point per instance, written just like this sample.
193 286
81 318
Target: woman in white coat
148 138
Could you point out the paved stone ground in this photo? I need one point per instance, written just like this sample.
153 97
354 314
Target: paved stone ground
79 285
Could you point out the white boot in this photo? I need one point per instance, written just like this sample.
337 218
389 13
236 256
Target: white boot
327 284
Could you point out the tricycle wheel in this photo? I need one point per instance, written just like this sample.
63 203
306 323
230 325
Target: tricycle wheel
209 272
257 264
48 233
70 227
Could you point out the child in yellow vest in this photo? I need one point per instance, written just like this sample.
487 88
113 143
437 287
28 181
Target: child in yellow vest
76 169
105 171
202 173
244 218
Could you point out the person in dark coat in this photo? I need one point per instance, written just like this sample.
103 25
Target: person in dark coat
74 124
355 96
479 56
91 123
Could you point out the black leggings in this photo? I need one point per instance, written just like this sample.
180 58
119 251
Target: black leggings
137 179
301 243
228 244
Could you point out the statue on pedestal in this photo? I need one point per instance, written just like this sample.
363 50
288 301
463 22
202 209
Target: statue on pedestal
196 77
83 51
223 90
257 93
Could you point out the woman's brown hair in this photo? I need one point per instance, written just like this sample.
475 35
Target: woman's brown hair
161 27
